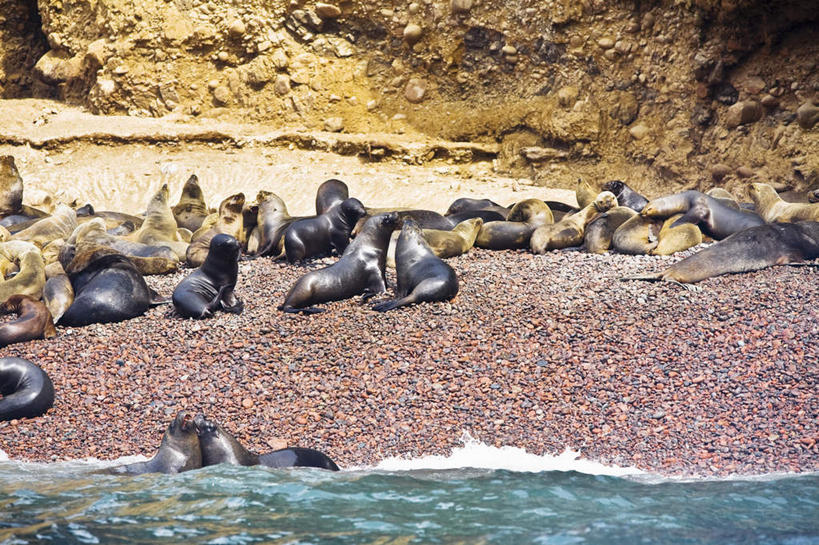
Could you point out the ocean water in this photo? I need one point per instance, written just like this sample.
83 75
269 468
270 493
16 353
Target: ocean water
507 496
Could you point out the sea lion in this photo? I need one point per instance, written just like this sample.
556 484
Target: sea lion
585 193
569 231
637 235
113 220
444 244
33 321
484 215
319 236
717 220
466 204
359 271
515 232
107 287
600 231
625 195
191 210
210 287
422 276
31 278
220 447
229 221
329 194
426 219
159 227
58 295
59 225
772 208
675 237
813 196
178 452
11 187
272 220
25 389
749 250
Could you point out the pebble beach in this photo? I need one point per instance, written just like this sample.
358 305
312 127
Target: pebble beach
541 352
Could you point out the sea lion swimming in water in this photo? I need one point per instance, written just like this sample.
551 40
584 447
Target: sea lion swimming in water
220 447
33 321
26 391
178 452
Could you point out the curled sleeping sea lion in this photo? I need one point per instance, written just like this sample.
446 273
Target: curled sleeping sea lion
637 235
191 210
178 452
772 208
31 278
113 220
33 321
107 287
59 225
717 220
319 236
58 295
675 238
329 194
749 250
569 231
625 195
422 276
515 232
466 204
159 227
210 287
230 221
220 447
25 389
600 231
359 271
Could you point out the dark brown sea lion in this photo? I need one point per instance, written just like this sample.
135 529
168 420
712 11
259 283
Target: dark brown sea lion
749 250
33 321
329 194
422 276
625 195
113 220
191 210
319 236
178 452
229 221
25 389
515 232
600 231
359 271
717 220
210 287
220 447
773 208
426 219
569 231
444 244
466 204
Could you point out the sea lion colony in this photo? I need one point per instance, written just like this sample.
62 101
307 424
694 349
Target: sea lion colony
87 266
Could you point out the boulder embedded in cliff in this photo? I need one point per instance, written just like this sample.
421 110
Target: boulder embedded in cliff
742 113
55 68
807 115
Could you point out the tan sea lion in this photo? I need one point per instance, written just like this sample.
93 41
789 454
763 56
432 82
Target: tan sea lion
58 294
515 232
147 259
31 278
272 219
569 231
772 208
676 238
11 187
600 230
229 221
60 225
191 210
716 219
159 227
444 244
586 192
637 236
33 321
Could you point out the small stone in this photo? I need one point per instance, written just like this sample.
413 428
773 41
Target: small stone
623 47
742 113
605 43
237 28
639 131
460 6
247 403
120 70
745 172
280 59
333 124
282 84
610 54
412 33
264 46
720 171
372 105
327 11
509 50
213 84
415 90
753 85
807 115
222 56
567 96
222 95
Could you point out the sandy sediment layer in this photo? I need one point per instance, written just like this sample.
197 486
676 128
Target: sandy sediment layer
540 352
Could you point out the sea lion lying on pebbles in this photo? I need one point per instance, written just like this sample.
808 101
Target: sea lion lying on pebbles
210 287
26 391
466 204
515 232
33 321
229 221
600 231
715 219
178 452
444 244
58 295
675 238
30 279
569 231
59 225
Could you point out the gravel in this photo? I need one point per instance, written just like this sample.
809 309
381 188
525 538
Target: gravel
542 352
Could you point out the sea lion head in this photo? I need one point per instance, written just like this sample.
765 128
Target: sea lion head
615 186
181 436
14 303
225 248
353 209
160 199
531 210
605 201
191 190
762 193
270 203
217 446
11 187
86 210
232 205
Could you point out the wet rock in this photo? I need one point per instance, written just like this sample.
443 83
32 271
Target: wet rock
415 90
807 115
742 113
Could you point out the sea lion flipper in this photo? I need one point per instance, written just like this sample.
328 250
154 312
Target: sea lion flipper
393 304
649 277
157 299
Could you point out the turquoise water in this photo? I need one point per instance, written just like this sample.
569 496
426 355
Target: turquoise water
63 503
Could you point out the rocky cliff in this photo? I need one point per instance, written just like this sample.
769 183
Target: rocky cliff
665 94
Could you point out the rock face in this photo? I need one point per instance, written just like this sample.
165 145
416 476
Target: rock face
665 87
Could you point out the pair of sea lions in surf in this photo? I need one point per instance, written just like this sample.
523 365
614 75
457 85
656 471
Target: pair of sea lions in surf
26 391
191 442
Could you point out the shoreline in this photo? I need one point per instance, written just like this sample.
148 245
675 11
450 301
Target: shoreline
537 352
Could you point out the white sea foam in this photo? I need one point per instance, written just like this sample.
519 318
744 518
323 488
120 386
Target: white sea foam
3 456
474 454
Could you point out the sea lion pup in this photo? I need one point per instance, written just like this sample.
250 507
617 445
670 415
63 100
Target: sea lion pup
31 278
585 193
33 321
716 219
444 244
625 195
423 277
178 452
600 231
637 235
220 447
25 389
674 238
466 204
272 220
210 287
319 236
229 221
107 287
191 210
569 231
147 259
749 250
359 271
515 232
329 194
58 295
159 227
772 208
60 225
